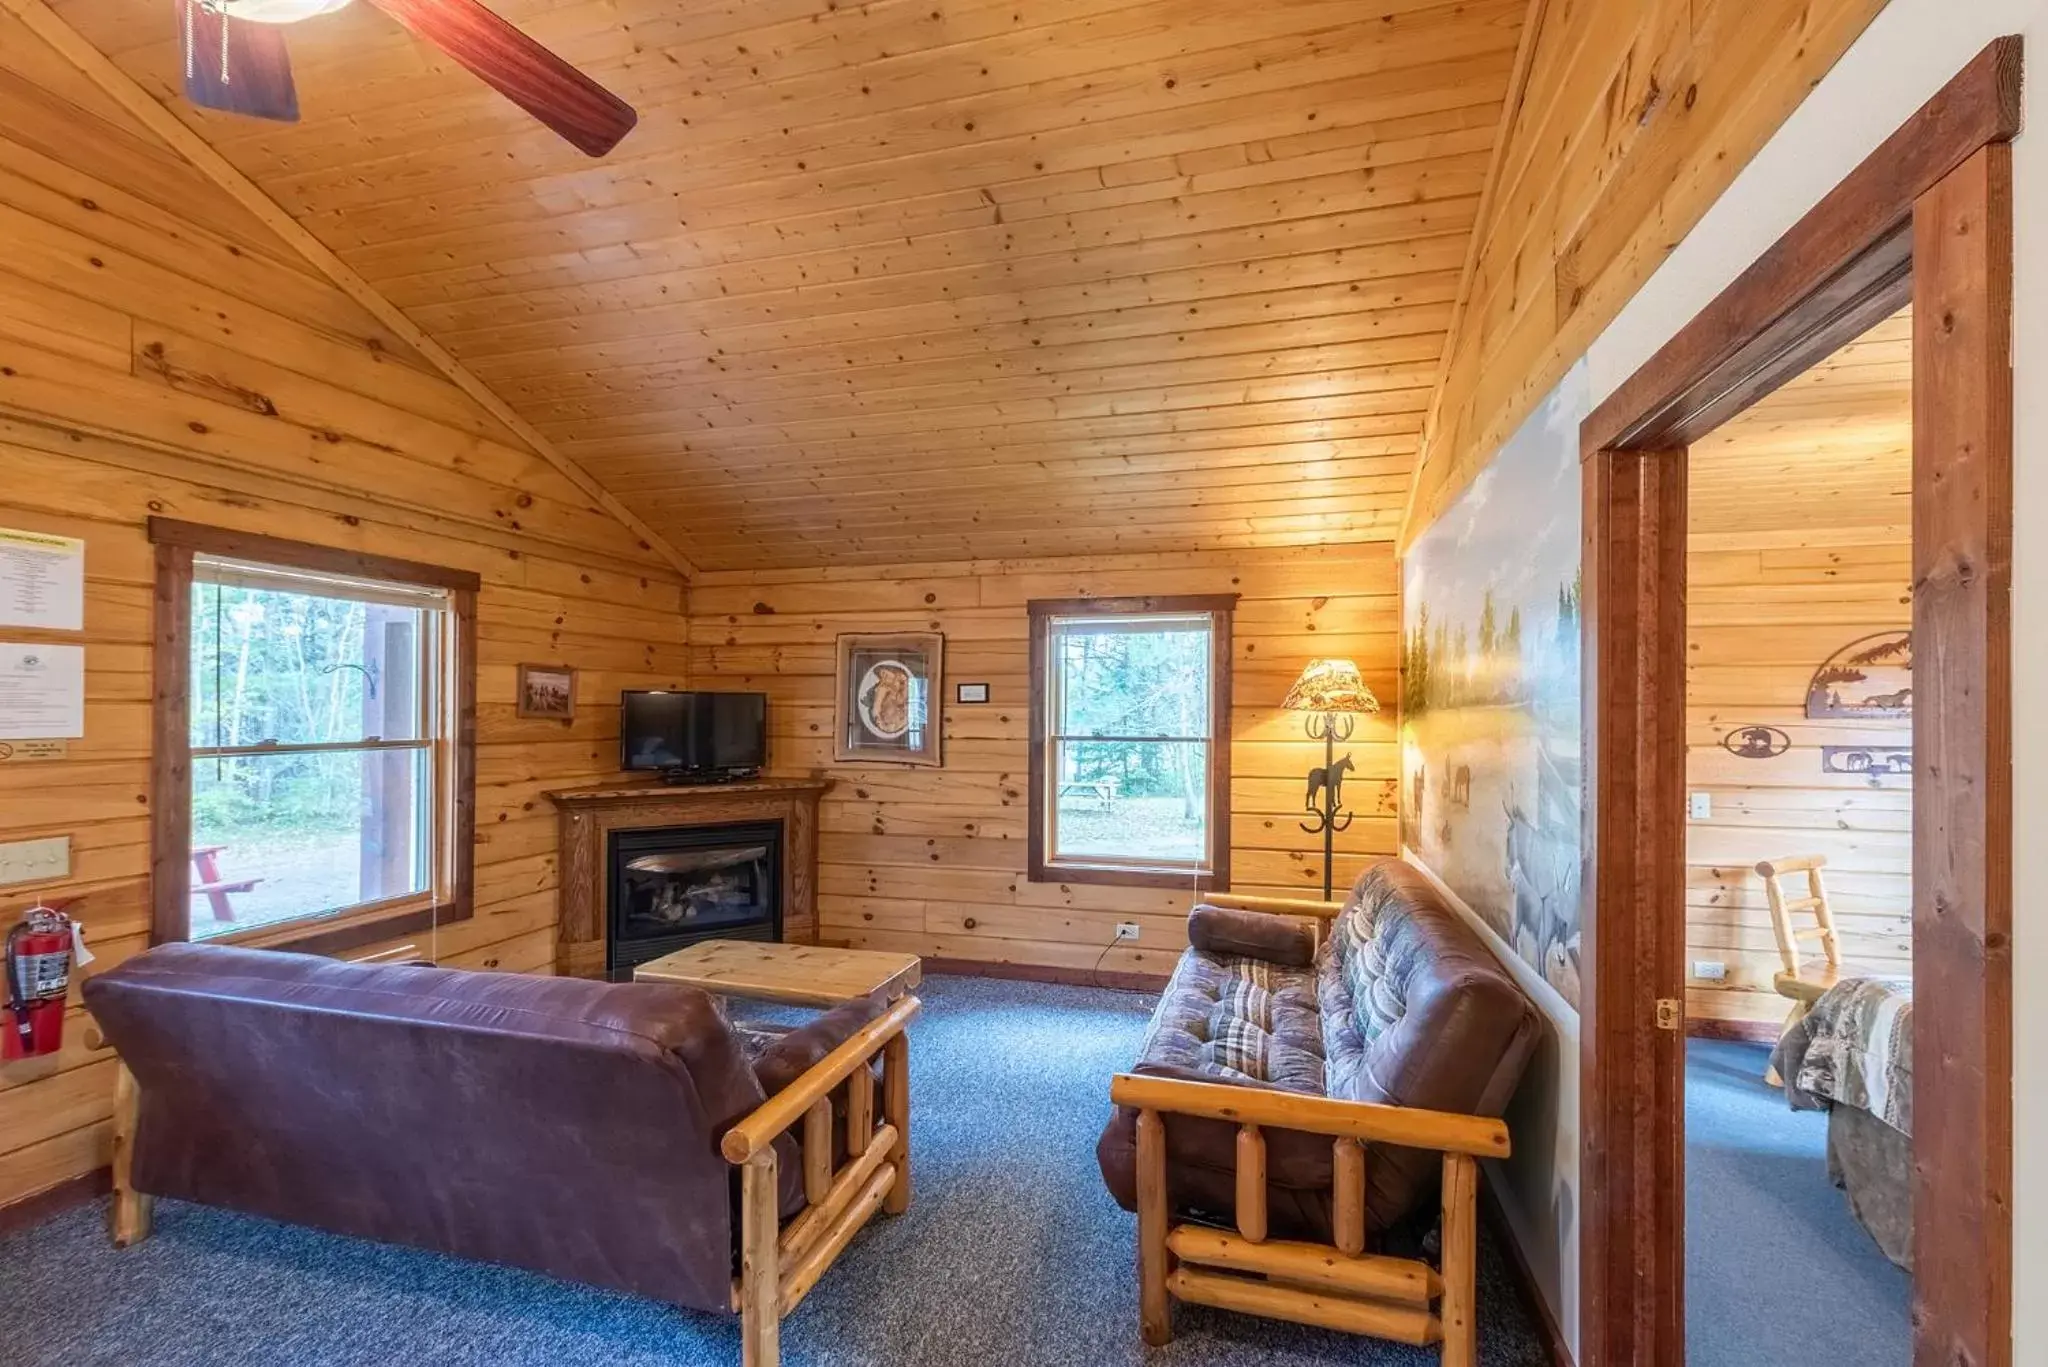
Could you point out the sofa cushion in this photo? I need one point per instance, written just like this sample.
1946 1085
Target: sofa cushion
1235 1019
1231 1019
1416 1012
1228 931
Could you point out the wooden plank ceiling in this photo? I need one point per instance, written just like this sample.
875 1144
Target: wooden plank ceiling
924 279
1840 435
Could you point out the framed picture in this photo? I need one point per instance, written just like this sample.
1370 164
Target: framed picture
547 692
970 693
886 707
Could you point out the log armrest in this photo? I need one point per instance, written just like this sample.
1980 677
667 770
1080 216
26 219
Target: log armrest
1368 1122
1276 906
759 1129
780 1262
790 1055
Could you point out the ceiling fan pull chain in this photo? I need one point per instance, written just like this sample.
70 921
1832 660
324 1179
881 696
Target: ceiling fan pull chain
225 77
185 33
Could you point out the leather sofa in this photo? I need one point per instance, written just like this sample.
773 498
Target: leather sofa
1365 1022
589 1130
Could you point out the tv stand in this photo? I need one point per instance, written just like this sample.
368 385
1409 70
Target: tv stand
698 778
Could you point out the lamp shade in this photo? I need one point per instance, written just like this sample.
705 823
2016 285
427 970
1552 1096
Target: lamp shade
1330 686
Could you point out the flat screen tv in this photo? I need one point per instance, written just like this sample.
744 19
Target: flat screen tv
690 736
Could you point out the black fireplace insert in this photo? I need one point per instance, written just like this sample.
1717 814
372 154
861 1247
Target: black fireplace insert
675 886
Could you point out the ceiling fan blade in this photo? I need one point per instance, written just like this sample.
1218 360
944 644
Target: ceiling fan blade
253 75
520 69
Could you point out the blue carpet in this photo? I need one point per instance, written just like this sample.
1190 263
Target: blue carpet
1777 1270
1011 1253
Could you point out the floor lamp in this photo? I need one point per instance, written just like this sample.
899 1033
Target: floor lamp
1334 697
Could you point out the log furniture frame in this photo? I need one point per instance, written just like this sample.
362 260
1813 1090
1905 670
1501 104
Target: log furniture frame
1793 981
1336 1285
780 1261
1926 219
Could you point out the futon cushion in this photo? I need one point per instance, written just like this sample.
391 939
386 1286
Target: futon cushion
1243 1021
1416 1012
1228 1018
1229 932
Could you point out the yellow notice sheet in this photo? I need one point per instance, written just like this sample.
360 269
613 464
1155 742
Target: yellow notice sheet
42 581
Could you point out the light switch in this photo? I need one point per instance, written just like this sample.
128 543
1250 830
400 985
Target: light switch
1702 807
35 861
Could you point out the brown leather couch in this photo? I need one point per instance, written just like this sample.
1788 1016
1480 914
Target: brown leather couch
1387 999
568 1126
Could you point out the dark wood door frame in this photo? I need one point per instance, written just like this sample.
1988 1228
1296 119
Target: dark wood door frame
1926 220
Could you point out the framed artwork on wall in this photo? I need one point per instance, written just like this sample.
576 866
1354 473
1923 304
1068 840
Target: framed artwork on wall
886 705
547 692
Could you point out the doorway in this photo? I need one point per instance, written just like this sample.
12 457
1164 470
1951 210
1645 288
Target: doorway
1798 878
1924 224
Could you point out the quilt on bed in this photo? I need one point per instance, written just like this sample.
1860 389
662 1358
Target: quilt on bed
1855 1048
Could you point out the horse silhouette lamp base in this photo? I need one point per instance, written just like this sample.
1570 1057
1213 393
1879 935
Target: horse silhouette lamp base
1333 697
1325 800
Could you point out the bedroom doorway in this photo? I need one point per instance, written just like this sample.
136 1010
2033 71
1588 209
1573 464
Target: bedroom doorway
1924 225
1799 864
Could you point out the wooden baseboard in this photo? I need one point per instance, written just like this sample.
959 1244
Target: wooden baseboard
1747 1032
33 1209
1040 973
1559 1351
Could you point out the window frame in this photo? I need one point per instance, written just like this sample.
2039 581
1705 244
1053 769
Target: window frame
452 896
1041 866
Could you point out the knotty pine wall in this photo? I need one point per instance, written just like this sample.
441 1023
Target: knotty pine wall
931 861
160 352
1634 117
1800 542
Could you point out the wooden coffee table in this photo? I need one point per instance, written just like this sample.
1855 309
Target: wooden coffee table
799 975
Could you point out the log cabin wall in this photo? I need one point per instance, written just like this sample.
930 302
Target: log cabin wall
162 353
1801 541
932 861
1635 116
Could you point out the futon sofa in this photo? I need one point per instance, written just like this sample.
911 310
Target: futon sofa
1314 1072
589 1130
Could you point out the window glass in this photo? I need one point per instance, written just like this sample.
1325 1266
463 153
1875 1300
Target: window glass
1130 741
277 837
314 718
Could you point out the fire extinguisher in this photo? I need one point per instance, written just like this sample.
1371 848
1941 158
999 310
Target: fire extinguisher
40 950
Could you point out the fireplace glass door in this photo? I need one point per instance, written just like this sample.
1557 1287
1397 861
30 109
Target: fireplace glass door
674 887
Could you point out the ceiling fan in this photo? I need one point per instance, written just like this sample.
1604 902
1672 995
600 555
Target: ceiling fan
235 60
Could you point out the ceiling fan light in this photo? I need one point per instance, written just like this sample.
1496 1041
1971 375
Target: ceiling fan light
278 11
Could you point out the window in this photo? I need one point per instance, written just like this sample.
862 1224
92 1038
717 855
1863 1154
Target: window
315 765
1130 741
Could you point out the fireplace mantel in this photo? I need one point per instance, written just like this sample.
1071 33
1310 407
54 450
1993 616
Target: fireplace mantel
588 816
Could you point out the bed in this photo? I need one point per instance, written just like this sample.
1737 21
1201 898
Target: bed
1852 1056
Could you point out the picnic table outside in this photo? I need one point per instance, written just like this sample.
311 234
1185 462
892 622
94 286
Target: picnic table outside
1103 790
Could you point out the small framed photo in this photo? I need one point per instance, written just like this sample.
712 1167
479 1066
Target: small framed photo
886 704
547 692
969 693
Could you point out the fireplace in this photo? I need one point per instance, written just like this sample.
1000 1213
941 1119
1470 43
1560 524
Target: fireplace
677 885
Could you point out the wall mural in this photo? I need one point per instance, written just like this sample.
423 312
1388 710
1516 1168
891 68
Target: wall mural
1490 693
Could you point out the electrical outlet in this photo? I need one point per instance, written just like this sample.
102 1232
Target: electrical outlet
1701 808
1126 930
1710 970
35 861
